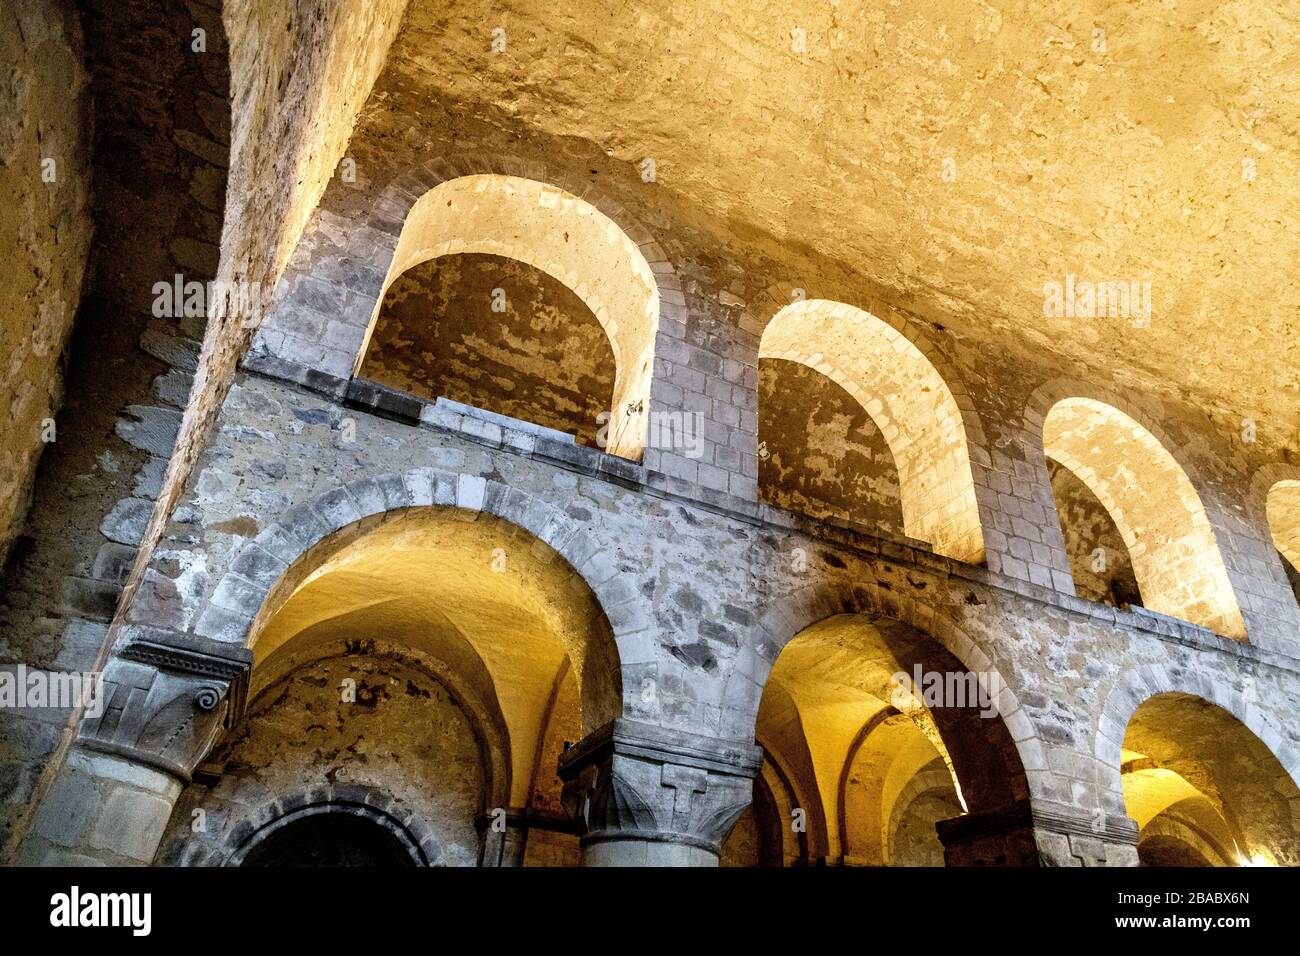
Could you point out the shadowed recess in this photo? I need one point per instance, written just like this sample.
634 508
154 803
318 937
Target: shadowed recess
567 238
908 401
500 609
1174 554
1204 790
497 334
857 750
820 453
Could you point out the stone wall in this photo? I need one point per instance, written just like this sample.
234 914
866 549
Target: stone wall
402 735
720 289
160 166
162 72
1088 528
299 73
820 453
702 578
702 598
45 231
531 350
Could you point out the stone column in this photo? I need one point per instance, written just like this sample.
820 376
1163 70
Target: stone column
165 700
1039 834
646 796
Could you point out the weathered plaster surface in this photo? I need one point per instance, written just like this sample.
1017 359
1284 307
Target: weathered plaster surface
45 231
532 350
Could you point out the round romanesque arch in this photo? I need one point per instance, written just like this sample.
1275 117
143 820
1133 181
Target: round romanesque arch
501 206
1173 737
258 577
387 581
462 673
1129 464
1275 504
786 615
371 806
929 432
1145 681
368 804
566 237
983 759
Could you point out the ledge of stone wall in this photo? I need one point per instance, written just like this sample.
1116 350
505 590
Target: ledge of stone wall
490 430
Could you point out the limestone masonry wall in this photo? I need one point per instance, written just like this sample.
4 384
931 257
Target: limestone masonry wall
45 228
701 598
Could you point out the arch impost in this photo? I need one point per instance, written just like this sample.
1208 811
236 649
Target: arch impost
637 782
165 699
1039 832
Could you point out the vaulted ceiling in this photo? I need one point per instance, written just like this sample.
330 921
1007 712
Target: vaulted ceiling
955 156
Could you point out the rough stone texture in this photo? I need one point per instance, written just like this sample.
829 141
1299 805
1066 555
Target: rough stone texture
1124 156
102 811
541 356
1231 808
404 735
706 357
820 453
160 147
931 318
45 231
296 72
1283 509
1170 540
705 649
1087 527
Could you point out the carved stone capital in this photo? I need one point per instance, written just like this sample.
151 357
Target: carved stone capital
634 781
1039 834
166 698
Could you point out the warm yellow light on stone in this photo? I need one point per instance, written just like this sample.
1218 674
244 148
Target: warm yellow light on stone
1157 511
570 240
1171 811
828 719
1284 519
1203 788
910 403
504 612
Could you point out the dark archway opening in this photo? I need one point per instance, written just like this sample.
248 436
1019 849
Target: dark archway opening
330 840
1166 851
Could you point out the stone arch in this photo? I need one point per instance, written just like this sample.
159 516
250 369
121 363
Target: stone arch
368 803
1140 684
265 569
562 235
472 693
507 207
938 780
1182 836
793 771
790 614
1257 810
1150 493
928 431
794 843
289 771
842 785
1275 499
878 745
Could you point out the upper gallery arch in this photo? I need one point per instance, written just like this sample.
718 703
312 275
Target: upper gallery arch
909 401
